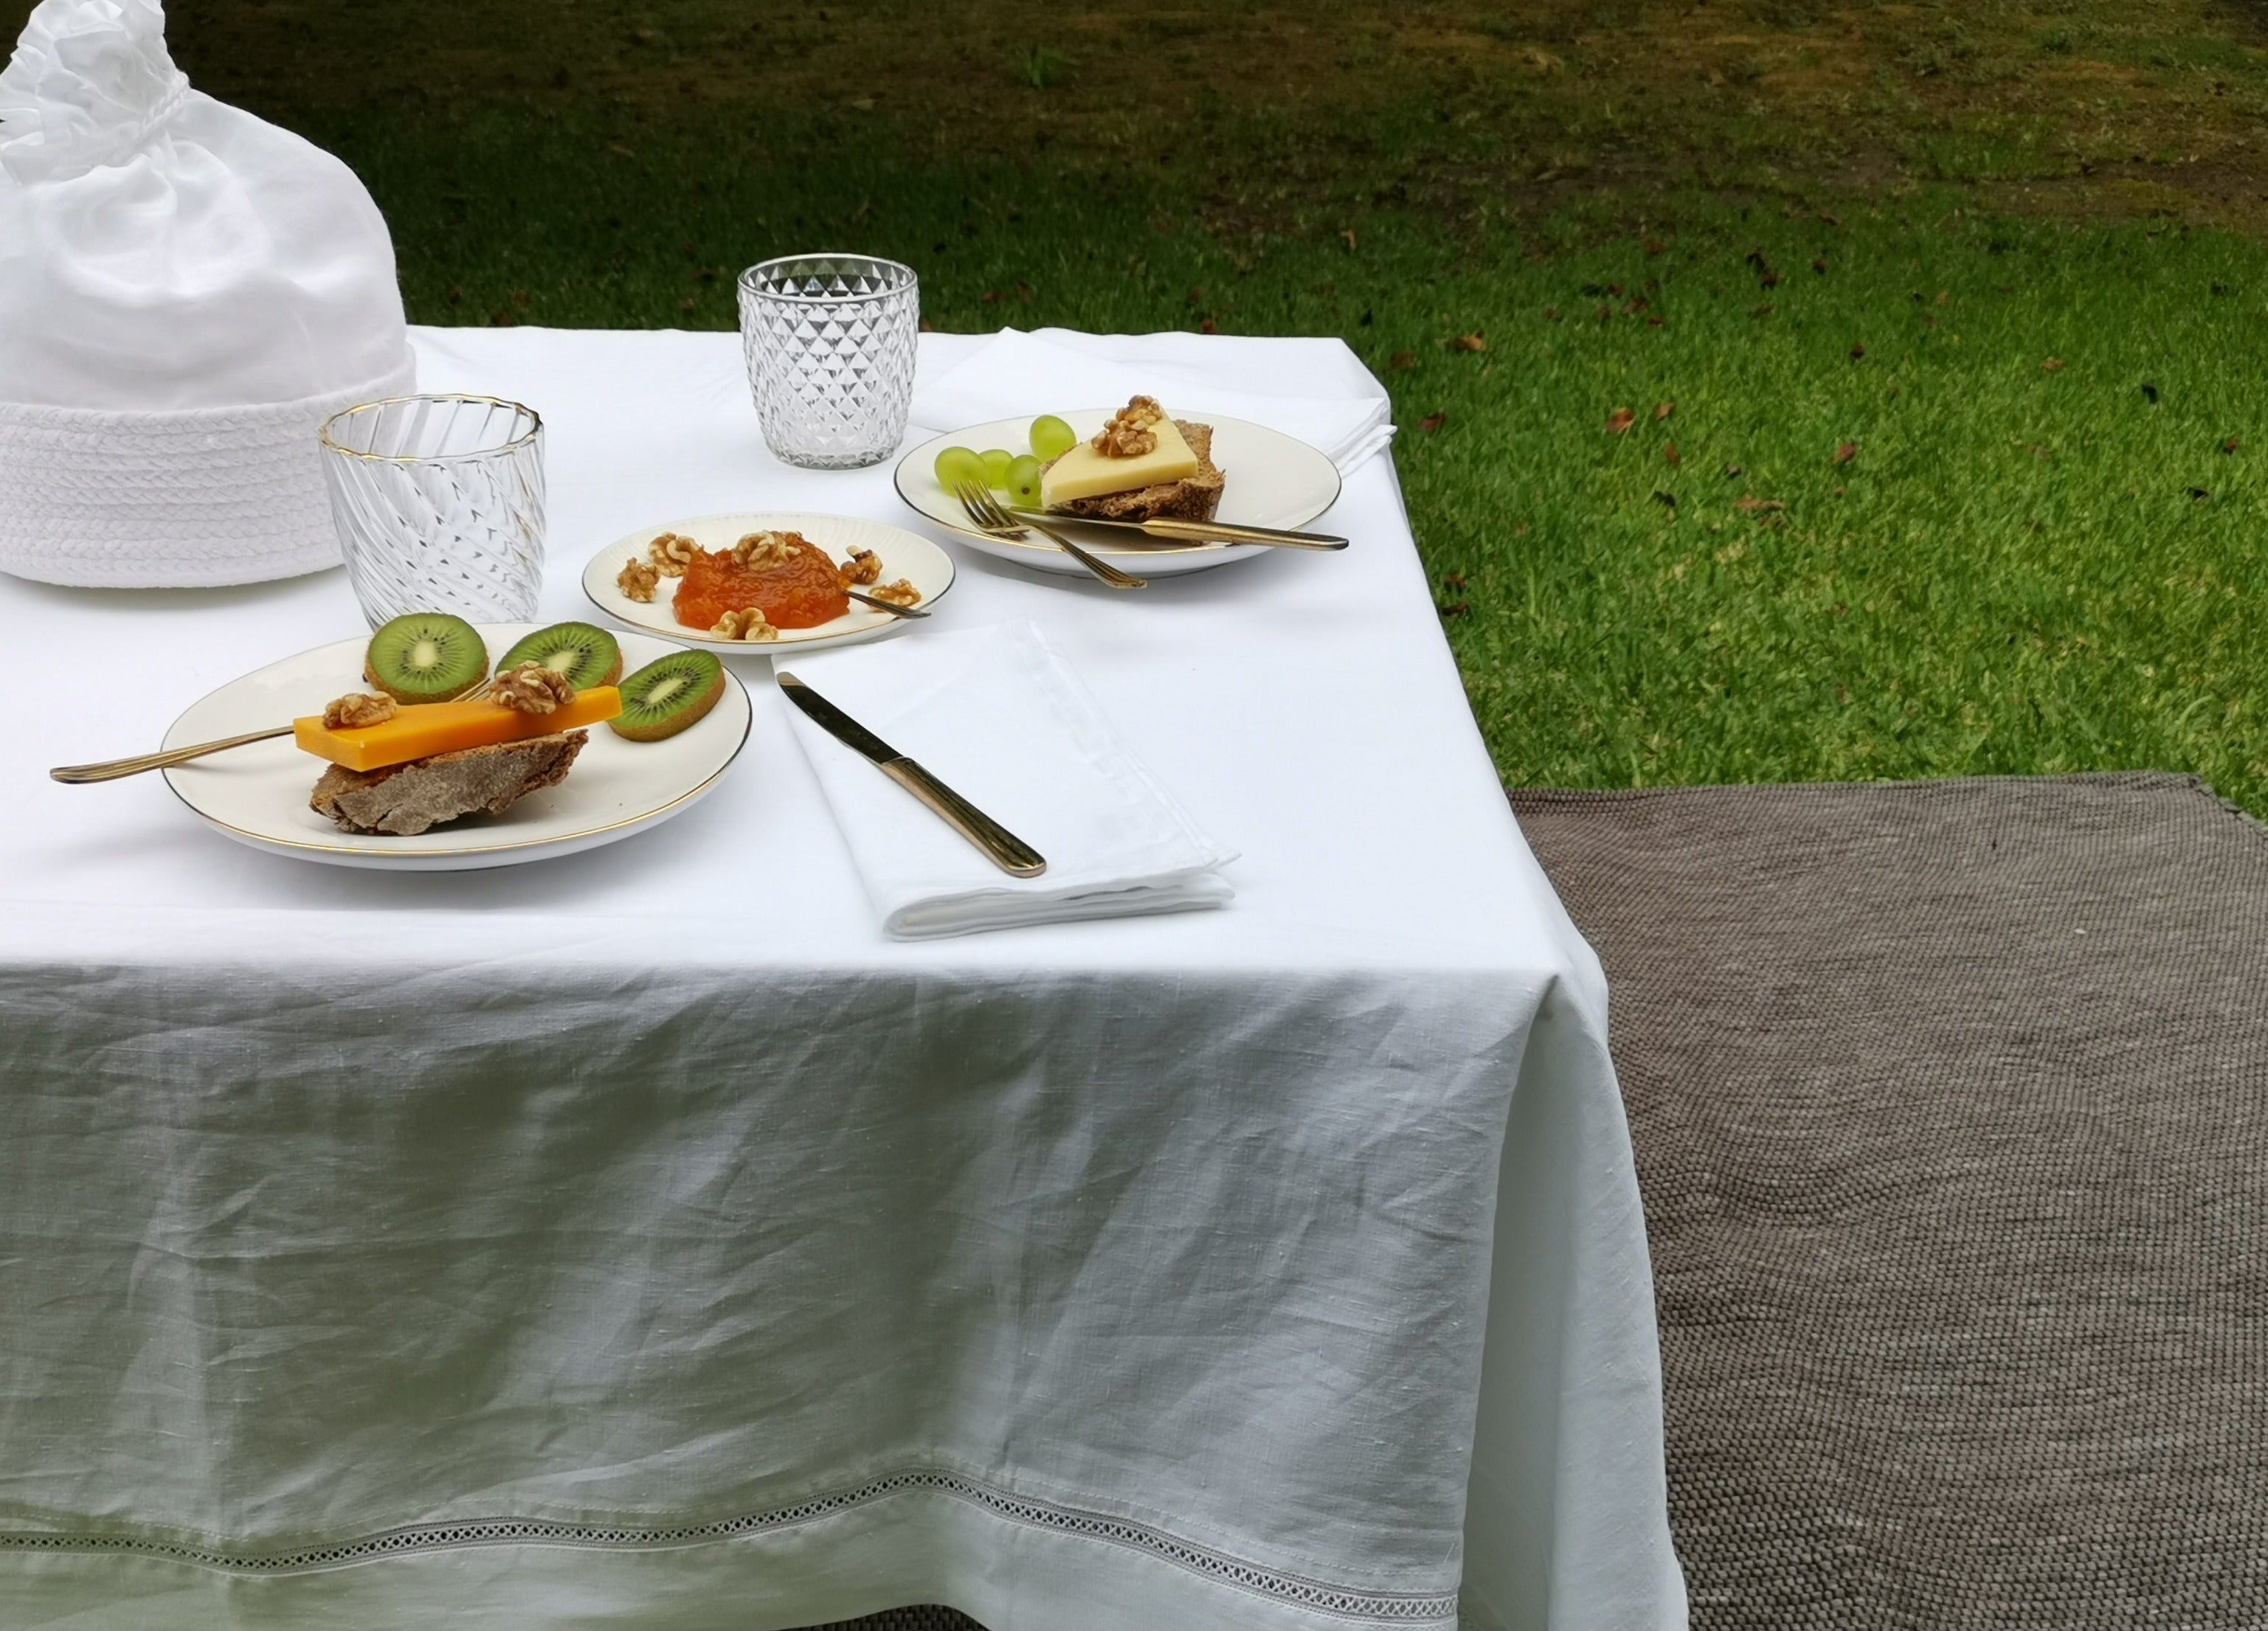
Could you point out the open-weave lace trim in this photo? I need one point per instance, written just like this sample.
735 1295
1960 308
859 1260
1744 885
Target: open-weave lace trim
1392 1608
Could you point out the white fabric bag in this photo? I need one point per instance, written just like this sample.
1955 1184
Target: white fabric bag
186 293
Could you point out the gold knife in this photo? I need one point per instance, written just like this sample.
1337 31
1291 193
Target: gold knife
1200 532
1011 854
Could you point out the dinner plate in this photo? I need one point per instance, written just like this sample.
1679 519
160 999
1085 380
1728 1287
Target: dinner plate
1273 479
902 553
258 795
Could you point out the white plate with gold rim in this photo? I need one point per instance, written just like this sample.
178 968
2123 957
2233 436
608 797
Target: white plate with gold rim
902 554
1270 480
258 795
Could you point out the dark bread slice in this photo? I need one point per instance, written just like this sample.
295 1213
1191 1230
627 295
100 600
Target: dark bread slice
1194 498
405 799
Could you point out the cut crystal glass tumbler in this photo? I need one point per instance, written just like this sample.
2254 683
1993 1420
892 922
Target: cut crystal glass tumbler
830 339
439 501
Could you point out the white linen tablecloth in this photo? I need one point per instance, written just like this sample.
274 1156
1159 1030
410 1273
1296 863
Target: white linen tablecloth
641 1240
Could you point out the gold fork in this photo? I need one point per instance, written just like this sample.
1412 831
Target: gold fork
988 515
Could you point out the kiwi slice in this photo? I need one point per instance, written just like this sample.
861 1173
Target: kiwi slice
668 694
579 654
426 656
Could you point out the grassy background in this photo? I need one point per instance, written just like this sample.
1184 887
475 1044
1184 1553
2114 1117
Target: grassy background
2008 255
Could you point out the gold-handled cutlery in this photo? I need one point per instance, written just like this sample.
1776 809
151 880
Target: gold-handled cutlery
985 511
1011 854
1208 531
111 769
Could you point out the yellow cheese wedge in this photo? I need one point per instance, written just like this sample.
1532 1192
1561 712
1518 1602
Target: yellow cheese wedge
1083 472
424 728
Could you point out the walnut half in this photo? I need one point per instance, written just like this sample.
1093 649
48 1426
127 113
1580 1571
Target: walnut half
357 708
672 552
637 580
766 552
1128 434
531 688
748 625
900 593
864 567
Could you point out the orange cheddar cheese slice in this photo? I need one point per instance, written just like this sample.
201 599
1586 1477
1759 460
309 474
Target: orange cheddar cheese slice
421 730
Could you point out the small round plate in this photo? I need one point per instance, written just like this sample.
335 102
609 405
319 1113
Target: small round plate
1273 480
902 553
258 795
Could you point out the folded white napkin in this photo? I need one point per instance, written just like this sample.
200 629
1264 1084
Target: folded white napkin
996 715
1316 390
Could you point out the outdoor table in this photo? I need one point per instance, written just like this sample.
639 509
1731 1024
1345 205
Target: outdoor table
642 1239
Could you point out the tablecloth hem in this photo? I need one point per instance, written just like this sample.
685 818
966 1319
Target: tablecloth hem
1203 1567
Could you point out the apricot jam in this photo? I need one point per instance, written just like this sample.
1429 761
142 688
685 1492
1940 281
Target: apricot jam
805 591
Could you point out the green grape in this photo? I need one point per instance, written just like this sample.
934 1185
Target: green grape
996 461
1051 438
956 465
1024 482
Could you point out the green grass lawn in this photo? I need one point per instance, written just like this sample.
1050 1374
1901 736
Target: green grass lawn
2003 255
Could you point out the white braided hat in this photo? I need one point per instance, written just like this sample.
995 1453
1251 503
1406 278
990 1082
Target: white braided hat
186 293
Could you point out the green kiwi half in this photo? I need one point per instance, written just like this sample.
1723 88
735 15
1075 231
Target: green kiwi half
577 652
668 694
426 656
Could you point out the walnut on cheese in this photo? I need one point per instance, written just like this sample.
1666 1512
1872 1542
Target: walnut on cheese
531 688
357 709
672 552
1128 434
637 580
748 625
766 552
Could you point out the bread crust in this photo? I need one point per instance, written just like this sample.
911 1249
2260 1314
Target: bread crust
1193 498
407 799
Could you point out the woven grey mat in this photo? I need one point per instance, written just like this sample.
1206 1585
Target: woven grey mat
928 1619
1950 1103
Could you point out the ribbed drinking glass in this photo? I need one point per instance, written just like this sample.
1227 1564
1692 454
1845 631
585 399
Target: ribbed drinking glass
439 501
829 342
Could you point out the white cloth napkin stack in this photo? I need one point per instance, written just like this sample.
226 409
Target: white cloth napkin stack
996 715
186 293
1316 390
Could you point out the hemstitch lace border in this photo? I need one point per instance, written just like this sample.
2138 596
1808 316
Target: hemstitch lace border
1394 1608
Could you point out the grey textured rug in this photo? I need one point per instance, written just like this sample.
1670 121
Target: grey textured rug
1950 1103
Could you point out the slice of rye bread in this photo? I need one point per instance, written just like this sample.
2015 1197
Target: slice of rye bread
405 799
1193 498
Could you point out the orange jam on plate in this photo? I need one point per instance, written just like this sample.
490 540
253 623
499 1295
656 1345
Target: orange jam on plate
802 592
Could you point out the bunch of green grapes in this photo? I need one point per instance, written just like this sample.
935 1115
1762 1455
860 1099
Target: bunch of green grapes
1016 474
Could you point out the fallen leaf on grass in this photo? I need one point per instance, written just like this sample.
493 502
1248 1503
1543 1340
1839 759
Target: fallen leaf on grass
1662 410
1470 343
1670 453
1453 580
1747 503
2053 365
1552 313
1762 311
1024 293
1732 471
1820 265
1621 420
1457 609
2229 446
1846 452
2199 492
1858 351
1432 422
1668 500
1349 236
1402 362
1830 220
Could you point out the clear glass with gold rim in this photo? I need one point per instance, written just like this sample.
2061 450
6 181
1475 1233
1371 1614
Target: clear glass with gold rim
439 501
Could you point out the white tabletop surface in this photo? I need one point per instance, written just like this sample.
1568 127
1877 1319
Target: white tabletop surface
1304 706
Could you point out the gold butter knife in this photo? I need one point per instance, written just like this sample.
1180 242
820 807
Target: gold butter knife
1011 854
